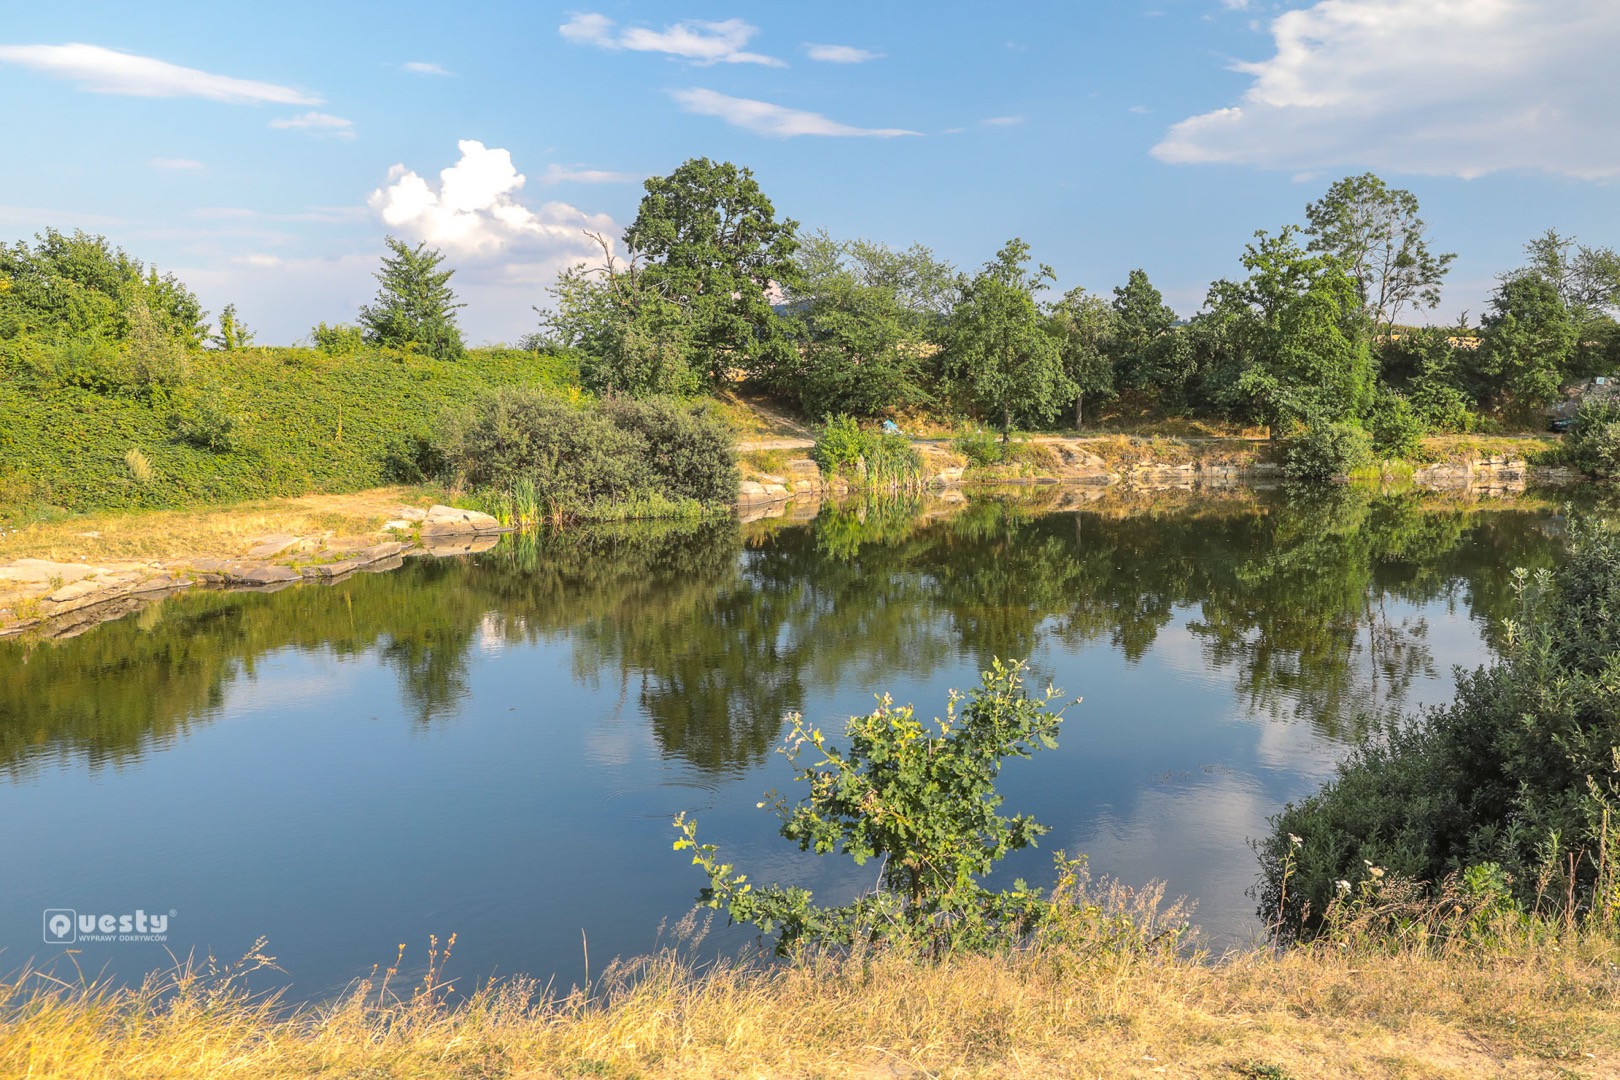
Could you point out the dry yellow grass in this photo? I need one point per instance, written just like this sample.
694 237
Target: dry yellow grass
210 531
1530 1011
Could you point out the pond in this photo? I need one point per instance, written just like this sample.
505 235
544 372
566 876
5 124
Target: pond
495 746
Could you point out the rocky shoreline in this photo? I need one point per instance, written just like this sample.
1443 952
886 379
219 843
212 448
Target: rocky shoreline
53 600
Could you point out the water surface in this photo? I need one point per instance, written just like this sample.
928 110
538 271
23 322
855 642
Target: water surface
495 746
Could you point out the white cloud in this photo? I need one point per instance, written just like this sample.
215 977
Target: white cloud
422 67
841 54
763 118
1002 121
567 174
703 43
1447 87
318 122
474 211
108 71
175 163
259 260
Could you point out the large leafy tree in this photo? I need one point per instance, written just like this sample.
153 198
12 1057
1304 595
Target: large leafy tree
1085 327
1143 357
1297 328
713 245
415 306
863 316
1527 342
1375 233
1587 280
72 285
997 347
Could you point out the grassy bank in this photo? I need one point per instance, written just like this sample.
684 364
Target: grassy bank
1517 1008
245 424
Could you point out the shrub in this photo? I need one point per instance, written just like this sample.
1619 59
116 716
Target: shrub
840 446
920 798
1593 443
1327 450
341 339
1520 770
689 448
980 447
204 422
1396 427
581 460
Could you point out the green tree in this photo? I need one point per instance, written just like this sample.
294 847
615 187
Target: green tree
1000 354
1588 282
1085 327
919 797
415 307
1297 326
77 285
1143 350
633 338
1527 343
1375 234
714 247
233 332
862 316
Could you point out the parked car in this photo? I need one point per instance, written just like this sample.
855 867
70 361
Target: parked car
1560 423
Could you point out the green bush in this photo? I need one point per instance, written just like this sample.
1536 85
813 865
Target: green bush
920 798
841 445
875 459
1521 770
205 423
980 447
1396 427
1593 443
584 461
340 339
1327 450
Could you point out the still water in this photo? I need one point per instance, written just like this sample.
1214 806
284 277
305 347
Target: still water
495 746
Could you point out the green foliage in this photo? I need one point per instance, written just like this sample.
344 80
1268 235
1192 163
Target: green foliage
1397 428
299 421
1007 366
1142 346
714 248
1593 442
233 332
871 458
980 447
80 286
1086 329
577 461
415 307
1373 231
1326 450
339 339
1520 770
1527 343
922 799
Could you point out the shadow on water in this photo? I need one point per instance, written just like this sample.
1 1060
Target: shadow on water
718 629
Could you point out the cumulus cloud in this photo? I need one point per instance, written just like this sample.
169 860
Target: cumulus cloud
841 54
180 164
763 118
422 67
702 43
108 71
1445 87
566 174
317 122
474 210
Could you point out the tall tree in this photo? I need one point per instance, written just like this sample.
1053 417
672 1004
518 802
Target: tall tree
1085 327
1006 363
415 306
1587 280
1527 342
713 245
78 284
1296 322
1144 349
1374 231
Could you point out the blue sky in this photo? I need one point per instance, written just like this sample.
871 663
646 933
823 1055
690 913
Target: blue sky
263 151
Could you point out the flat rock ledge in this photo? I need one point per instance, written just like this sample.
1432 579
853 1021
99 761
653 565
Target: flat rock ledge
55 600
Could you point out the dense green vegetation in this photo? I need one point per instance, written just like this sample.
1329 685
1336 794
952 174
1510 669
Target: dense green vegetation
1513 789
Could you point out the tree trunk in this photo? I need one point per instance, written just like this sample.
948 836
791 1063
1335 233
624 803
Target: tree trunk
1079 399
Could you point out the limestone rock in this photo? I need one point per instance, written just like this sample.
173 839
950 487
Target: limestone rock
450 521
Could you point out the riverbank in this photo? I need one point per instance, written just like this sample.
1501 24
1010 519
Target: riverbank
58 579
1509 1009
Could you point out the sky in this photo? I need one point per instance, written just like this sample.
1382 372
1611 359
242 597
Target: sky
263 152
